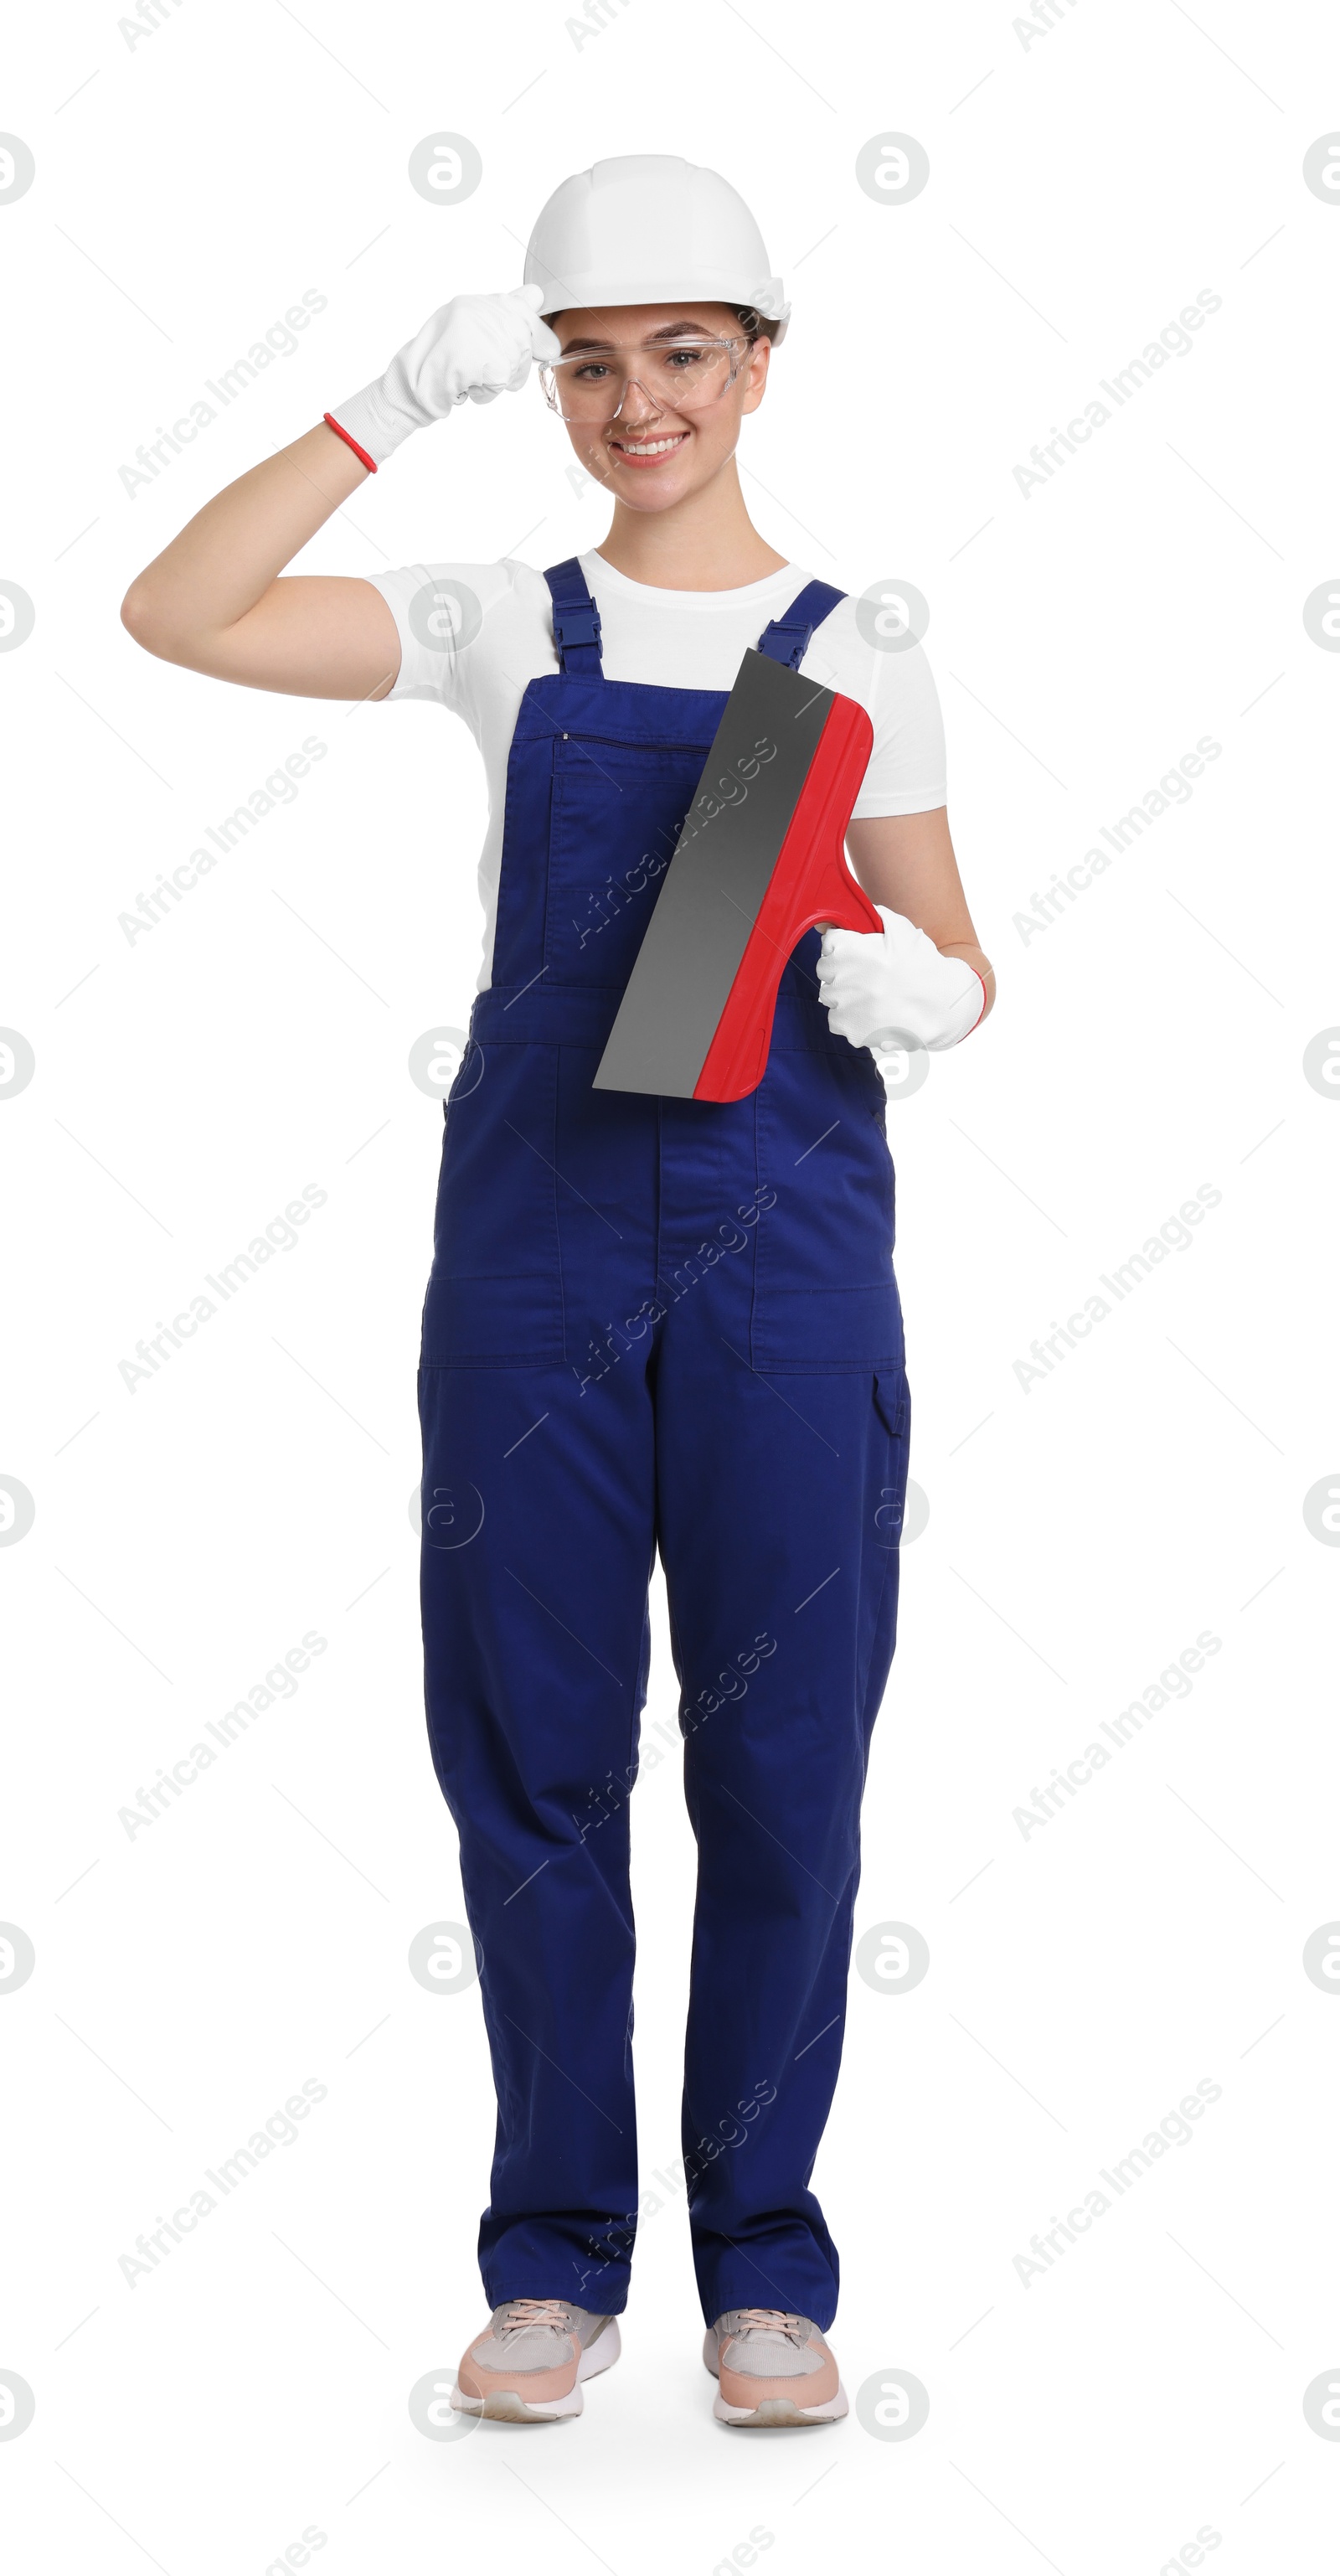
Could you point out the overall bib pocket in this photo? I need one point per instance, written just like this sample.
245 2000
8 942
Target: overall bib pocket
617 813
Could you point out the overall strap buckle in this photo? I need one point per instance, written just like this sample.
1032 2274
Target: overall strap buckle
787 638
576 621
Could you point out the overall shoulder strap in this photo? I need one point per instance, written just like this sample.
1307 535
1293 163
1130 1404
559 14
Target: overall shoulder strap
787 639
576 621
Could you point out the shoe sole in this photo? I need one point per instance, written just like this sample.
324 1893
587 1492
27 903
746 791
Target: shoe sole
781 2410
507 2406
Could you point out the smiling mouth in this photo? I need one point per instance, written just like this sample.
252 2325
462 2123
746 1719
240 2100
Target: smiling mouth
649 449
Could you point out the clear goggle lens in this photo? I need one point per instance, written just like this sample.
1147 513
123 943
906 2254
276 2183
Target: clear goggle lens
674 375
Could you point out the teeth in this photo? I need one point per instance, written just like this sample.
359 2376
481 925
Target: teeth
650 447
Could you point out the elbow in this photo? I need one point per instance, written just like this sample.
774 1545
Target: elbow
144 615
139 619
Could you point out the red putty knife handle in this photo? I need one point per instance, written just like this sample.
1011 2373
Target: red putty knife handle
810 883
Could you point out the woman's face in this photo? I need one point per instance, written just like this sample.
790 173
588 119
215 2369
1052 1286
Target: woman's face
651 456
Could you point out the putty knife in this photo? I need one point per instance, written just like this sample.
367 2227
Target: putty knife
758 863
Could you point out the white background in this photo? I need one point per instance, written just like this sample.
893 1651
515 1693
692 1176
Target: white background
1083 188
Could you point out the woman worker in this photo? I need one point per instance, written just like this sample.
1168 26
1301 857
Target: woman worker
651 1322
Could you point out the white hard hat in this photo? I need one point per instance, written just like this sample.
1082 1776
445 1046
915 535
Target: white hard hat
648 229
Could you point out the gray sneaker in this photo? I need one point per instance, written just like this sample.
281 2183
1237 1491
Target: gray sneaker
772 2367
529 2363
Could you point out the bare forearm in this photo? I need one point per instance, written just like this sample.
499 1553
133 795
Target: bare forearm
227 556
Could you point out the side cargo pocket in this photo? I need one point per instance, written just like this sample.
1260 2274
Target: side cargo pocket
891 1424
893 1403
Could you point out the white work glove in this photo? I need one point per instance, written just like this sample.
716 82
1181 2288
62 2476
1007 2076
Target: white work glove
872 984
474 349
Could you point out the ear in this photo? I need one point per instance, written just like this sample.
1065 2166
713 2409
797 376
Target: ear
756 372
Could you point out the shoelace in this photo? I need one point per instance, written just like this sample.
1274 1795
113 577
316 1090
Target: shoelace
769 2321
536 2312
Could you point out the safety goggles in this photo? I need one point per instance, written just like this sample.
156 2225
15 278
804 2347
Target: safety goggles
673 375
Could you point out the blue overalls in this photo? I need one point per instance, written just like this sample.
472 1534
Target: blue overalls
653 1323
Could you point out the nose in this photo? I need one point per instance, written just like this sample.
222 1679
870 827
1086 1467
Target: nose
636 406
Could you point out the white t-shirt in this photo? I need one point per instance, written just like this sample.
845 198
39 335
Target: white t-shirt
679 639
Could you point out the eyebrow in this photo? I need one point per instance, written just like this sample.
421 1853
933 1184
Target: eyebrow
667 331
